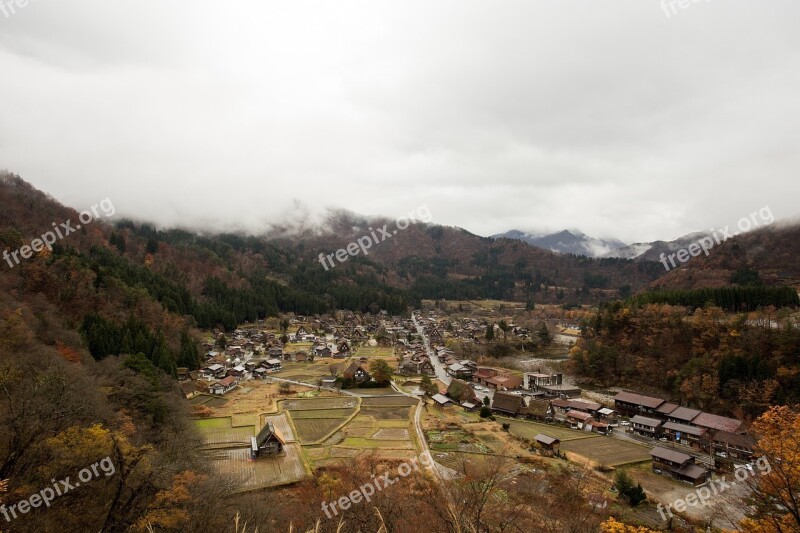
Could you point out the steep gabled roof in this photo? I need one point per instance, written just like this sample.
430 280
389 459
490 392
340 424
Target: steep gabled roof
509 403
268 431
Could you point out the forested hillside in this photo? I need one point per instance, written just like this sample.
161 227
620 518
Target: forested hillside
766 256
701 357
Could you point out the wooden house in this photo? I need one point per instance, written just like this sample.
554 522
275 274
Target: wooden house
507 404
268 443
356 373
679 466
646 426
547 442
343 348
223 386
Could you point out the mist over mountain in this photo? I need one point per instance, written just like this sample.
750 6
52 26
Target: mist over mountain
567 241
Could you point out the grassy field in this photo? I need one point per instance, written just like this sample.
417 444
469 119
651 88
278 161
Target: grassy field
529 430
356 442
375 352
455 440
220 432
608 451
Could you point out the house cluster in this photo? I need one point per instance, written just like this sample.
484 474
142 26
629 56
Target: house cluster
577 414
222 378
657 418
415 361
466 328
254 354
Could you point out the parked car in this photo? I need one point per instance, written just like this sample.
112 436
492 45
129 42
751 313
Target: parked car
722 454
624 423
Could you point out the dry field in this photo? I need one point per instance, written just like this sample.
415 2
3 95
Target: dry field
608 451
265 472
529 430
389 401
340 402
228 449
387 413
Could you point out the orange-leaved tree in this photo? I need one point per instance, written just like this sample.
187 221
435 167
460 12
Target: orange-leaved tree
612 526
776 484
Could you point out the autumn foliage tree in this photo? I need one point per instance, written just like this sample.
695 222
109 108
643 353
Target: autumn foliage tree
776 490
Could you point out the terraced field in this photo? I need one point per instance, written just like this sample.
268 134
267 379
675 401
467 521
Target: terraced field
219 432
321 413
208 400
387 413
356 442
314 429
389 401
313 422
320 403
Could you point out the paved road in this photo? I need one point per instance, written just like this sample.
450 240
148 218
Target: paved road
441 371
442 472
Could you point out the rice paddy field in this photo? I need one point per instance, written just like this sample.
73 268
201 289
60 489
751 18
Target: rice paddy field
227 441
208 400
389 401
382 425
314 422
220 432
235 463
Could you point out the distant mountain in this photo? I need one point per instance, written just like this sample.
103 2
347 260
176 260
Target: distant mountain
569 242
651 251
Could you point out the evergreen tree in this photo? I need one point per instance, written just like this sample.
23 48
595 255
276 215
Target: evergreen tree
428 386
189 355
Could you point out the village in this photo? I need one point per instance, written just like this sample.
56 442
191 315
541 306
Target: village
280 399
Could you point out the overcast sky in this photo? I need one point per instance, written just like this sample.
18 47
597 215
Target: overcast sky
603 115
